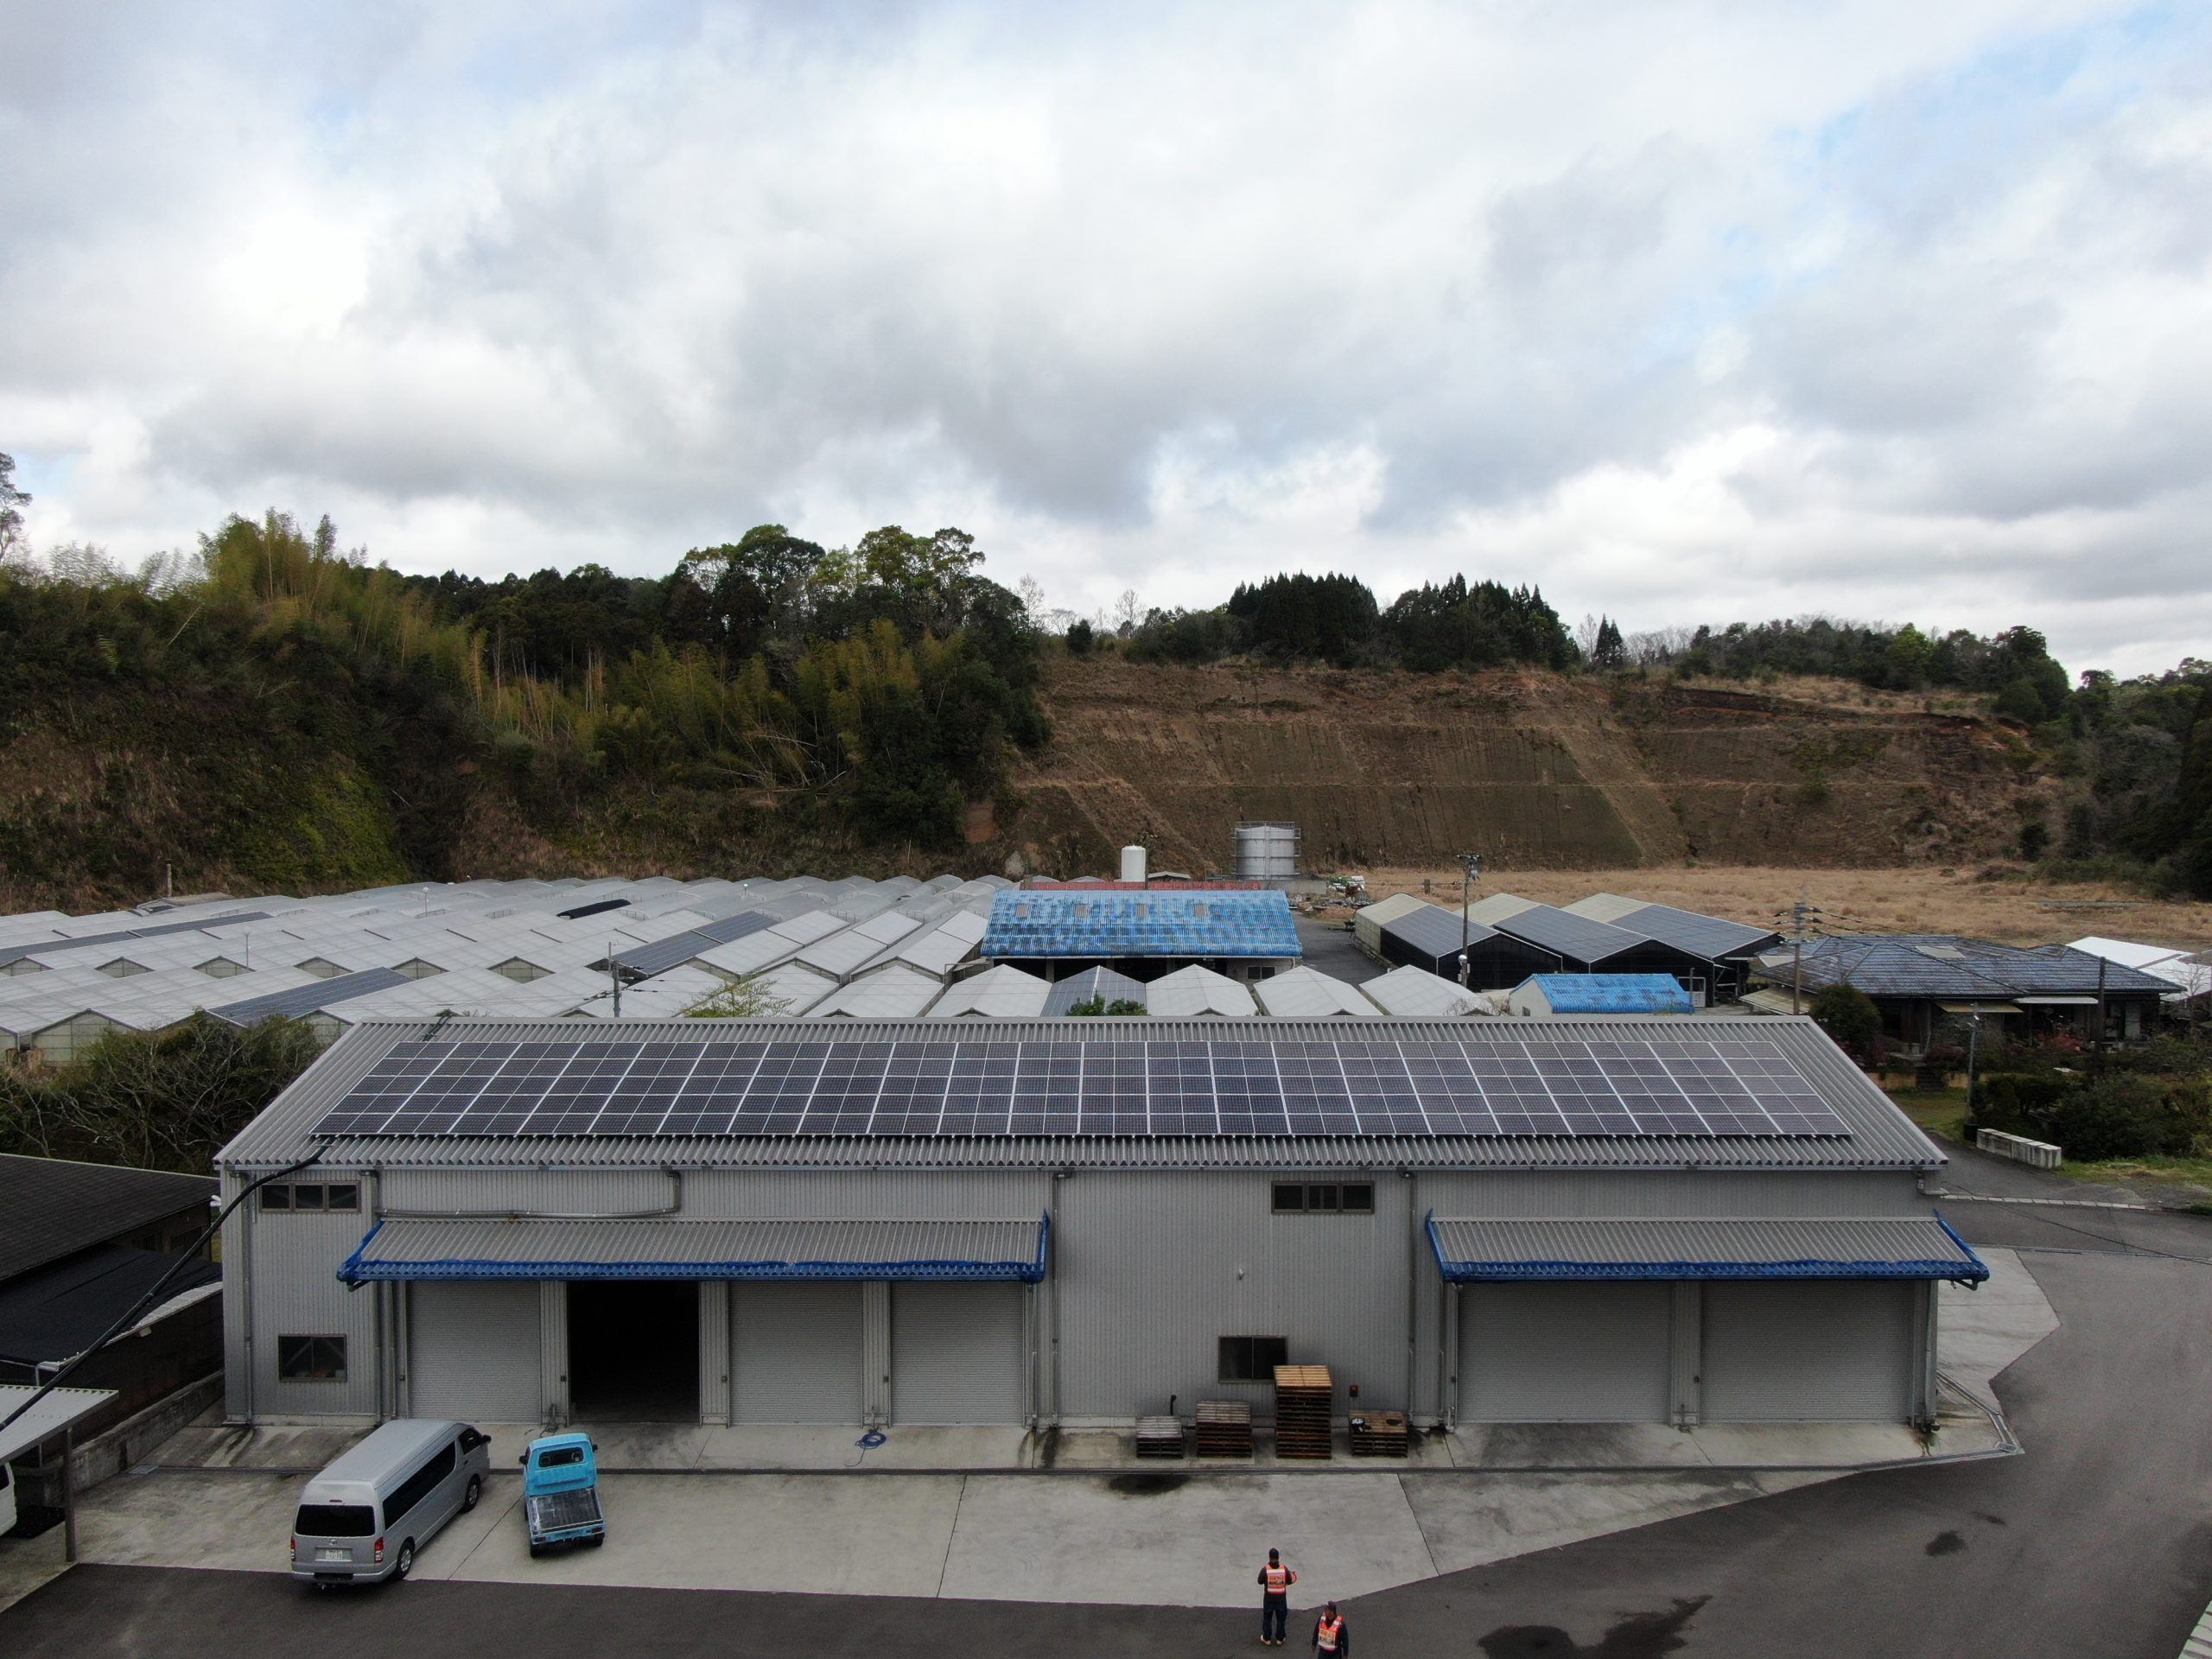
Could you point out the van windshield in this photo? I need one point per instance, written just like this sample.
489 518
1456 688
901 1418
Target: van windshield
559 1455
336 1521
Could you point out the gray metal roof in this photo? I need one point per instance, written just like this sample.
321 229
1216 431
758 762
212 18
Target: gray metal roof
1435 931
684 1248
1568 935
1473 1249
1949 965
1709 937
1879 1136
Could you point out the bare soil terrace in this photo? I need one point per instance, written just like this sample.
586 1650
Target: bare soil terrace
1995 903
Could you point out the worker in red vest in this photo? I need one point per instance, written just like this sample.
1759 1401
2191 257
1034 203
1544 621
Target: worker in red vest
1275 1580
1332 1636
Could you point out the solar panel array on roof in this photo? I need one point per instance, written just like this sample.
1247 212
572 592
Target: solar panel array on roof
1202 922
306 999
1181 1086
644 961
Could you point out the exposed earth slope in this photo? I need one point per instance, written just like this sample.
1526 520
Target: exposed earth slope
1532 770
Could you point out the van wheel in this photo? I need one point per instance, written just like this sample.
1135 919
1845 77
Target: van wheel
476 1491
537 1549
596 1539
404 1563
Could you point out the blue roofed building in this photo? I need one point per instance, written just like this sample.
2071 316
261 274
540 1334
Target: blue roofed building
1247 933
1546 993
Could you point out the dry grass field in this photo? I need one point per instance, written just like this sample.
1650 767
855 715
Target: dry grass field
1922 898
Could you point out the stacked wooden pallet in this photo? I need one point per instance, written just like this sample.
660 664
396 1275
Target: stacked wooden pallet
1303 1394
1378 1434
1224 1429
1159 1437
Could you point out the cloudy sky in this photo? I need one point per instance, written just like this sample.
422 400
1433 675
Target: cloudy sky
1896 310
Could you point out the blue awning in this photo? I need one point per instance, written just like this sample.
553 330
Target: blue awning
682 1247
1485 1250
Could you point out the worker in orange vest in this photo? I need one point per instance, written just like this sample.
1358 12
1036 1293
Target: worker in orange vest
1332 1636
1275 1580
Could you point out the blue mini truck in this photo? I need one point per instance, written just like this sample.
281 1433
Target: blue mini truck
559 1492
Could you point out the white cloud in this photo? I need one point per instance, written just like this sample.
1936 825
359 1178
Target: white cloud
1898 312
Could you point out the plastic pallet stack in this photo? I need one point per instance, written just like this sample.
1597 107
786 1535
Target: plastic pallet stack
1159 1437
1224 1429
1378 1434
1302 1397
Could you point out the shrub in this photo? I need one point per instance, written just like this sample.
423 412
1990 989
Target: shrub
1848 1016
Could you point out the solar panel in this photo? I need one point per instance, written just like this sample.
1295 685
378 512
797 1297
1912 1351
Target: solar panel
1170 1086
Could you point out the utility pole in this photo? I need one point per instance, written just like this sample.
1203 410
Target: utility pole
2098 1052
1803 918
1470 866
615 973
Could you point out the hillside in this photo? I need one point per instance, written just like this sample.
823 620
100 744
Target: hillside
1532 770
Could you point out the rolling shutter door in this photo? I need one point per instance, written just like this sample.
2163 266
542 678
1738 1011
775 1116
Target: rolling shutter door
1552 1353
472 1350
798 1353
1837 1352
955 1353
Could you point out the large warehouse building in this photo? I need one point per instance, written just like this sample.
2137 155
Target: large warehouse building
1071 1221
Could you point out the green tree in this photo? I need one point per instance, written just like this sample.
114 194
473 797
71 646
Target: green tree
11 503
1849 1016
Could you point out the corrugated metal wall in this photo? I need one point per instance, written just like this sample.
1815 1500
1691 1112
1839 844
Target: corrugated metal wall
1149 1268
1153 1269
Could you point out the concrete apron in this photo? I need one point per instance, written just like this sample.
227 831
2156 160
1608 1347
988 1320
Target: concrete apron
1104 1531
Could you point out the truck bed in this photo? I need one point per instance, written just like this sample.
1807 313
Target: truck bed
555 1512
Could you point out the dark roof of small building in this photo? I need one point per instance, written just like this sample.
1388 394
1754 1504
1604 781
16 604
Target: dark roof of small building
1709 937
1436 932
51 1207
1568 935
1950 965
57 1312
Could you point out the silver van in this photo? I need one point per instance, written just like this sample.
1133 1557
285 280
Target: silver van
362 1519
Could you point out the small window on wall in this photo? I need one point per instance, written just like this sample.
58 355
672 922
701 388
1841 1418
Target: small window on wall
311 1359
1253 1359
1325 1197
317 1196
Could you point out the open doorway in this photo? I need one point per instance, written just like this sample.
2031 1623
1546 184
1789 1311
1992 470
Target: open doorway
634 1351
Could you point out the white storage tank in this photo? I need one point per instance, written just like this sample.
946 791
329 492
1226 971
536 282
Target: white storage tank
1131 863
1266 850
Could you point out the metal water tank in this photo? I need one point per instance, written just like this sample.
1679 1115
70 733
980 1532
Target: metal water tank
1131 863
1266 850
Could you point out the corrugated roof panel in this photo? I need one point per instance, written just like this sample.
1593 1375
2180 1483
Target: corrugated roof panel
1574 936
1199 991
1304 993
677 1248
1486 1249
1710 937
1415 991
1610 992
1000 993
1434 932
1182 922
